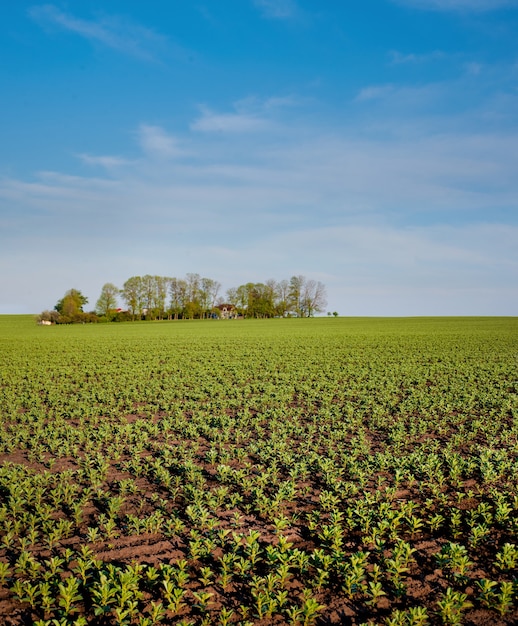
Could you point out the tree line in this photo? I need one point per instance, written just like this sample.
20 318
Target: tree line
192 297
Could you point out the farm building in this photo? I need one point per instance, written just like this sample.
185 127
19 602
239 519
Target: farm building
227 311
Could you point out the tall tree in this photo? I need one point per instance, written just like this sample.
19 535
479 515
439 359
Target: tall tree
192 306
161 285
313 297
270 297
178 293
107 302
254 299
242 297
133 296
71 304
232 296
295 294
282 297
148 294
209 290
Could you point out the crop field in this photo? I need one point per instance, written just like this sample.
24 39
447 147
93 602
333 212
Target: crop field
254 472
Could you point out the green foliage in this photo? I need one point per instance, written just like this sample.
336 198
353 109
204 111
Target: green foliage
107 303
268 469
71 304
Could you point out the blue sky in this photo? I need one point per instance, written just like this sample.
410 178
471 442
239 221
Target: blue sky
370 145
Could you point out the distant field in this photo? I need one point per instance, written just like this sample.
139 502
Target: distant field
286 471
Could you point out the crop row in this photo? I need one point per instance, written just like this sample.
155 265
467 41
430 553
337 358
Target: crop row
284 472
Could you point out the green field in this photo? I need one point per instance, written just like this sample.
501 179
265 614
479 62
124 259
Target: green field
286 471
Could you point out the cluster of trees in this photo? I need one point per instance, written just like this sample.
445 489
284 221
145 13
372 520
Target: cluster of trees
69 310
159 297
192 297
299 296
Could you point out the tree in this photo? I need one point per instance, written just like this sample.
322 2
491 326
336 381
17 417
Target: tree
282 295
313 297
132 293
71 304
306 296
148 295
107 302
193 297
254 299
232 296
270 297
209 290
295 294
192 305
178 293
161 285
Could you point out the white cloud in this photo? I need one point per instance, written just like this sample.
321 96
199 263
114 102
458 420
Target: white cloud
106 161
473 68
379 249
239 122
251 114
366 209
261 106
156 142
399 58
113 32
276 9
378 269
374 92
459 5
411 97
343 176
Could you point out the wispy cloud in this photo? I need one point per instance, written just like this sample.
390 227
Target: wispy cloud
473 68
209 121
250 114
465 102
399 252
276 9
374 92
262 105
114 32
421 204
445 174
399 58
477 6
247 117
224 230
106 161
156 142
